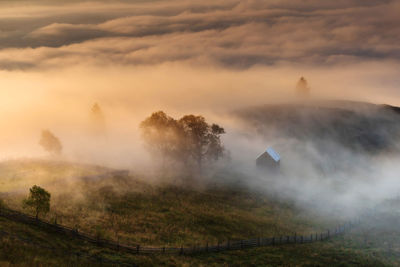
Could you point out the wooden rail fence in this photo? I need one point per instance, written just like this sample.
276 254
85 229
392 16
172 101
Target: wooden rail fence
207 248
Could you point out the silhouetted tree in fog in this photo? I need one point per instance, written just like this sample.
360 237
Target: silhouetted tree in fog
203 140
302 87
98 119
163 135
215 148
188 140
50 143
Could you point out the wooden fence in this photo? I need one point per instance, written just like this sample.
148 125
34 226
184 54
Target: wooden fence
79 256
207 248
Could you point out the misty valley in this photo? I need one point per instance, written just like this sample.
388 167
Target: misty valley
199 133
202 188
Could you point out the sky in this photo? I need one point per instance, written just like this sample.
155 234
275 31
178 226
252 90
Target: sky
134 57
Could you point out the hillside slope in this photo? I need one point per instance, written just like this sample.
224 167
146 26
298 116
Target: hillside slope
375 242
355 125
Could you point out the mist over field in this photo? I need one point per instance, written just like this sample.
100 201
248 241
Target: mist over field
335 155
86 74
208 58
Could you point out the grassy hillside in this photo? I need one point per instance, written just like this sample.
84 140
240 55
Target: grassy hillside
134 211
371 244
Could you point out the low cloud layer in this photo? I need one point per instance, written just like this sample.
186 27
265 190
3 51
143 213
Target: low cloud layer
229 34
194 57
184 57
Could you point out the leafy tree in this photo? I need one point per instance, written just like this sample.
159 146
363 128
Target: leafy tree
190 139
163 135
50 143
302 87
204 140
215 148
38 200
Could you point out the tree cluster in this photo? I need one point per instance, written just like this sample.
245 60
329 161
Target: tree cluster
189 140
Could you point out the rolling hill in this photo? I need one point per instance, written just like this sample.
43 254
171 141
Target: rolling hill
358 126
131 209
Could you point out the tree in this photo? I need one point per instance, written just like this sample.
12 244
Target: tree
163 135
50 143
190 139
302 87
38 200
203 140
215 148
98 119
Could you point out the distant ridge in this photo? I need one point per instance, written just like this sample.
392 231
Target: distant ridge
358 126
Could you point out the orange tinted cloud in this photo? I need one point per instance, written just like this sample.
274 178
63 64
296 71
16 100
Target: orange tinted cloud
228 33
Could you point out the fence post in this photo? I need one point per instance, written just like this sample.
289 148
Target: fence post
207 247
229 244
258 241
137 249
295 238
218 246
273 240
163 250
301 239
181 252
280 240
241 244
287 239
328 234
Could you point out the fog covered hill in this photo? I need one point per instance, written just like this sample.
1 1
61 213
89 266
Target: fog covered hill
358 126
